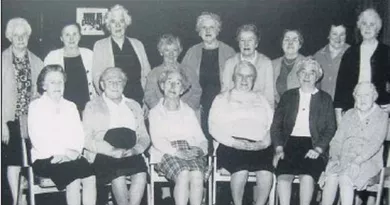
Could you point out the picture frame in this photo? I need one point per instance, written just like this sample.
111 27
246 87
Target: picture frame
91 20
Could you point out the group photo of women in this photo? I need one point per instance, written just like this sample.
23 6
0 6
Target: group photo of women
95 116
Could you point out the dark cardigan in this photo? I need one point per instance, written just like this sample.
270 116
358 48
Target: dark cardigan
348 75
322 120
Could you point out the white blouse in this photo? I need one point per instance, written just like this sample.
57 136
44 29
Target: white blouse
366 52
54 128
302 126
167 126
120 114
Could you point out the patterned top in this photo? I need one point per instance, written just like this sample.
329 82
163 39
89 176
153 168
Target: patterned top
23 81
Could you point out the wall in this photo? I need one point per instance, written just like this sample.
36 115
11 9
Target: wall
152 18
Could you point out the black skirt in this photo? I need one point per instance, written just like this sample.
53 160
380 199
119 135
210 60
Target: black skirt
235 160
64 173
295 163
107 168
13 151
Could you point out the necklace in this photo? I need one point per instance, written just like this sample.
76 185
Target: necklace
288 62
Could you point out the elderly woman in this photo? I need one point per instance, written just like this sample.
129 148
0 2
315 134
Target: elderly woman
123 52
19 73
208 59
179 153
116 138
248 40
57 138
170 48
303 125
368 61
285 67
356 151
77 63
240 120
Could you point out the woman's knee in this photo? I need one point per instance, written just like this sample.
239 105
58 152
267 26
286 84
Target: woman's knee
263 177
285 178
196 177
139 178
183 177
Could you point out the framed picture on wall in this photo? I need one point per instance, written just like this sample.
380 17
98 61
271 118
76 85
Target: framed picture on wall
91 20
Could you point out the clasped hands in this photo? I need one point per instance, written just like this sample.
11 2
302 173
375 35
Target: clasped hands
189 154
120 153
243 144
69 155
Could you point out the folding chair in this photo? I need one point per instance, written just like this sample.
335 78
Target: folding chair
384 182
218 177
155 177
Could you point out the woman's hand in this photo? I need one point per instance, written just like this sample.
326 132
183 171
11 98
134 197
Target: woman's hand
279 154
197 151
118 153
5 134
312 154
186 154
256 146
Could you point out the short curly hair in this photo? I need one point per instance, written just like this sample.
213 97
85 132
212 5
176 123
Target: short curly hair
370 12
117 8
362 84
310 62
13 24
46 70
208 15
169 39
186 85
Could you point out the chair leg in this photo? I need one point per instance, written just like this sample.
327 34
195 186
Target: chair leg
31 194
210 191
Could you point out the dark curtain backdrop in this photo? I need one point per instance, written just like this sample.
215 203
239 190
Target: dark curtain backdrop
152 18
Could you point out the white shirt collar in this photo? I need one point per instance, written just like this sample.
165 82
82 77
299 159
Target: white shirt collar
312 93
251 60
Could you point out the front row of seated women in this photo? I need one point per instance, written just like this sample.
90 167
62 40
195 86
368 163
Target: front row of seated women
241 120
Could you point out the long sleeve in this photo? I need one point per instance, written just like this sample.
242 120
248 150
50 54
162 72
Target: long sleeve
192 97
143 140
97 67
227 75
200 139
152 90
277 136
216 129
157 134
329 116
268 91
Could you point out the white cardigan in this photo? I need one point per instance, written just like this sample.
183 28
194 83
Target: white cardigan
57 57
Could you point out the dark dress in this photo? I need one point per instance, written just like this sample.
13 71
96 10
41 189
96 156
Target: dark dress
23 81
128 61
76 85
108 168
209 80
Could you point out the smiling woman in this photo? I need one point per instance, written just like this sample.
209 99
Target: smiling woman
77 63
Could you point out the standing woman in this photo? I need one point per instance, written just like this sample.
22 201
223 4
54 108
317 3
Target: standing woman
368 61
123 52
303 125
208 59
19 73
285 67
77 63
248 40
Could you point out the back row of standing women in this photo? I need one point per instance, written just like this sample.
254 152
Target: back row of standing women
212 68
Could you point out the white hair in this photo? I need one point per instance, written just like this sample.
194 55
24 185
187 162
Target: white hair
373 13
365 84
15 23
117 8
307 62
208 15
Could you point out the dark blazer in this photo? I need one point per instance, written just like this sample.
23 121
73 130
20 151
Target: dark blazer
348 75
322 120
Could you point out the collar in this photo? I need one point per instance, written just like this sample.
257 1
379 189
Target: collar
110 102
362 116
251 60
304 93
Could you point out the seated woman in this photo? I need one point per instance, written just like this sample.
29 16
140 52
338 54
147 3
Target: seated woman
303 125
57 138
356 151
170 48
116 137
240 120
178 143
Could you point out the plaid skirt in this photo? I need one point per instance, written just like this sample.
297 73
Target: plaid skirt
171 166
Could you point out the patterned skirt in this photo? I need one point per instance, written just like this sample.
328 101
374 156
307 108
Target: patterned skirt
171 166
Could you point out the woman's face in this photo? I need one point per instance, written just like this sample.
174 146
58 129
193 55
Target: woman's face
307 77
337 37
117 25
170 53
70 36
247 42
364 98
173 86
54 84
208 30
113 85
244 79
368 27
291 44
19 39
